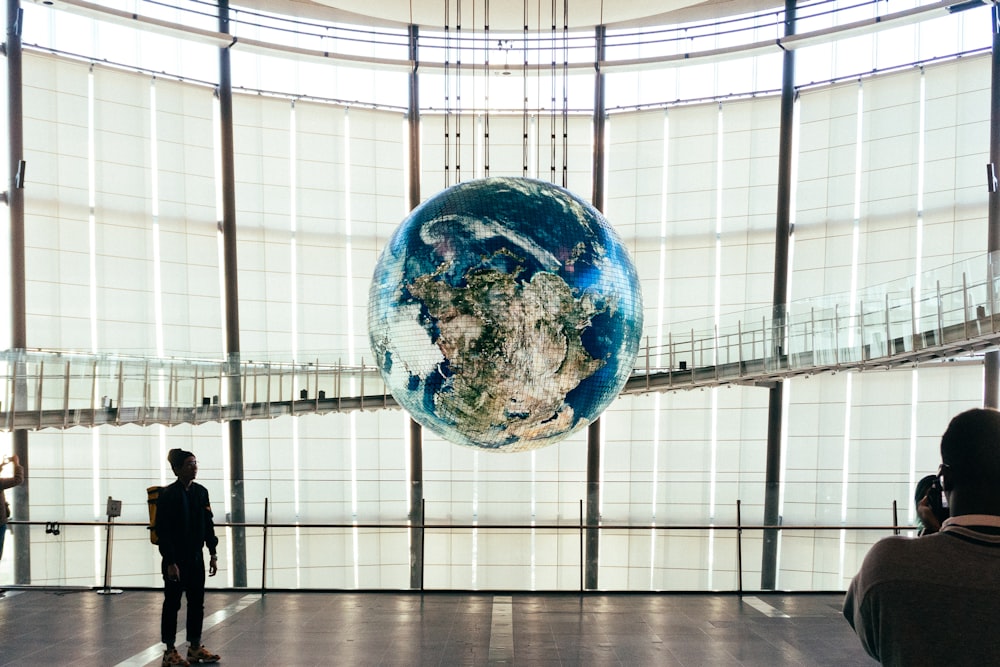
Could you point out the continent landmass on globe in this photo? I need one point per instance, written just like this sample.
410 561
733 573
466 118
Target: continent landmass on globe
512 349
505 314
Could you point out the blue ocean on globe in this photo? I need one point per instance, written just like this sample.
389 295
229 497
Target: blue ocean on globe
505 314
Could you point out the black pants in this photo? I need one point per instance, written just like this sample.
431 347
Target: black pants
191 584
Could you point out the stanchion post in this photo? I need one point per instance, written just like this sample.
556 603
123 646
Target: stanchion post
263 556
739 550
114 509
423 541
583 563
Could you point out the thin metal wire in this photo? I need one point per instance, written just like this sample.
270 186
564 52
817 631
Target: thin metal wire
458 93
565 100
552 113
524 95
486 106
447 94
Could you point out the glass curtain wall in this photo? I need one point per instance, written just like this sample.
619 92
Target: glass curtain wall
124 256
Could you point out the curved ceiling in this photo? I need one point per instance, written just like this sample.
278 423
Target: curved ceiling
509 15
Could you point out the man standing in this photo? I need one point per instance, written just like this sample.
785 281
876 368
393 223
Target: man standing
7 483
184 527
936 600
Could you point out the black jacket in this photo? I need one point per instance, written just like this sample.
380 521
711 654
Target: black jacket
181 538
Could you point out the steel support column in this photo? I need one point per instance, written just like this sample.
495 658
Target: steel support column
991 379
782 237
232 302
416 509
593 519
593 541
600 117
416 432
18 326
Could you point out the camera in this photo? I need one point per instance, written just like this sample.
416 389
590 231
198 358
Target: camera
937 500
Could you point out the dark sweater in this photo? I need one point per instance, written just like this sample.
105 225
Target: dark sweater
931 600
182 536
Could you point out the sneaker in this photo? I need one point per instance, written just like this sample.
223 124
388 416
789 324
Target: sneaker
171 657
201 655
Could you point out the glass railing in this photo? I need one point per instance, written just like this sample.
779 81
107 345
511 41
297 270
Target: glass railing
62 389
946 313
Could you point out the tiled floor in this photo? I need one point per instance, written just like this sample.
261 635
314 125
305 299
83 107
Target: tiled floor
396 629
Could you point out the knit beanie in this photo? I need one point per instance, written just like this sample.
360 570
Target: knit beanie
177 457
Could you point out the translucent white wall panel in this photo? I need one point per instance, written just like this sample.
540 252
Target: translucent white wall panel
320 248
883 444
449 145
579 158
692 80
188 236
295 77
683 465
685 458
889 169
749 197
691 213
635 199
378 204
741 453
56 205
957 144
73 473
435 155
825 191
262 141
628 468
506 154
880 432
447 159
464 486
124 263
952 144
123 212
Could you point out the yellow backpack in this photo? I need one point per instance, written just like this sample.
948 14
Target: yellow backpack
152 495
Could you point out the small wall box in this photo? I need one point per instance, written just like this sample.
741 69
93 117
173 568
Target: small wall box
114 507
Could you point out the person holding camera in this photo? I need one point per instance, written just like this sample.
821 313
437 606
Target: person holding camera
16 479
931 508
184 527
935 600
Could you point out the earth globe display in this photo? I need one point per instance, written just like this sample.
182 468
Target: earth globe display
505 314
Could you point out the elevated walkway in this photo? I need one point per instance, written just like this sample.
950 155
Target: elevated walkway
902 324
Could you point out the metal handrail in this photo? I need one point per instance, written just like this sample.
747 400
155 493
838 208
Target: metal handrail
488 526
580 527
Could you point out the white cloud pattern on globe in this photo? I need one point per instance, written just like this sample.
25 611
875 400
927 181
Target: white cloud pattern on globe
505 314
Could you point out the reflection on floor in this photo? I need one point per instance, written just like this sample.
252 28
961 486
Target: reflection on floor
80 627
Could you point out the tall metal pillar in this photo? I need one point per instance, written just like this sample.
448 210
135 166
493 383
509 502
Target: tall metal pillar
782 235
18 329
593 540
230 276
593 533
991 379
600 116
416 509
416 513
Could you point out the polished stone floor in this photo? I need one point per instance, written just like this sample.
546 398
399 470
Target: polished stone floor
81 627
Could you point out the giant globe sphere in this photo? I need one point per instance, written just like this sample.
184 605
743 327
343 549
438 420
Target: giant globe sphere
505 314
